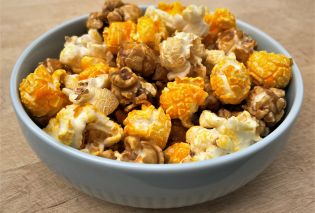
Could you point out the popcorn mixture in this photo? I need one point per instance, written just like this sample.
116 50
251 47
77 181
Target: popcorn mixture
172 84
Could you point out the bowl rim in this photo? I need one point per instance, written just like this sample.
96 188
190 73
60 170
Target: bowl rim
99 161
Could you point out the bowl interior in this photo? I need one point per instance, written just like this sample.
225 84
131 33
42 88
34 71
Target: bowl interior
51 43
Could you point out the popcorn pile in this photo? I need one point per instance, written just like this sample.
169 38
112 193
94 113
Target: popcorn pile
175 84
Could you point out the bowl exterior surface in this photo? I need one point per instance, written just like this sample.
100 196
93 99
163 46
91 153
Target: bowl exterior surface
148 186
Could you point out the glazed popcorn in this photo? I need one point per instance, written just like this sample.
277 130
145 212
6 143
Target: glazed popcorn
171 84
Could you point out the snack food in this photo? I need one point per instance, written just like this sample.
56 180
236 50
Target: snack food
174 84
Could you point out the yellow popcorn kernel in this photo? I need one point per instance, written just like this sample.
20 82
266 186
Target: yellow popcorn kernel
150 124
40 92
118 33
177 152
181 98
270 69
230 81
172 8
151 32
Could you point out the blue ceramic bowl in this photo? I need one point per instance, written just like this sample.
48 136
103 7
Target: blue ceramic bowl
141 185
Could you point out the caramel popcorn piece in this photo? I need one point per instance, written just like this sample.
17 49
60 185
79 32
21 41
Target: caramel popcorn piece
178 131
265 104
230 81
180 53
151 32
181 98
84 127
270 69
141 151
130 89
118 33
177 152
113 11
150 124
236 41
137 56
41 95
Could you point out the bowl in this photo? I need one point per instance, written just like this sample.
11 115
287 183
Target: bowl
142 185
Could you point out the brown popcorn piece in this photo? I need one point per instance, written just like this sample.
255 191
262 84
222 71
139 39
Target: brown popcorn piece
113 11
137 56
141 151
236 41
266 104
130 89
178 131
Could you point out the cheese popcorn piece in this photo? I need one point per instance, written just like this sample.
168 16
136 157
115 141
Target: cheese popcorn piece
177 152
225 136
117 33
222 19
41 95
172 8
230 81
79 126
150 124
181 98
151 32
180 53
90 44
270 69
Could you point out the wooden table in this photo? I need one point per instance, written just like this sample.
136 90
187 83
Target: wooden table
27 185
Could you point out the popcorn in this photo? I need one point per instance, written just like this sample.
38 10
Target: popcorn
179 53
41 95
175 18
79 126
236 41
177 152
266 104
222 19
172 8
151 32
149 124
230 81
270 69
118 33
138 57
181 98
90 44
225 136
141 151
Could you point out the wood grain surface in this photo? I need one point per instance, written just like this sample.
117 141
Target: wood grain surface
27 185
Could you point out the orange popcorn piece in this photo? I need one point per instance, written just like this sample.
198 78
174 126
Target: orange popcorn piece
230 81
177 152
181 98
118 33
87 61
150 124
172 8
270 69
222 19
40 93
151 32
